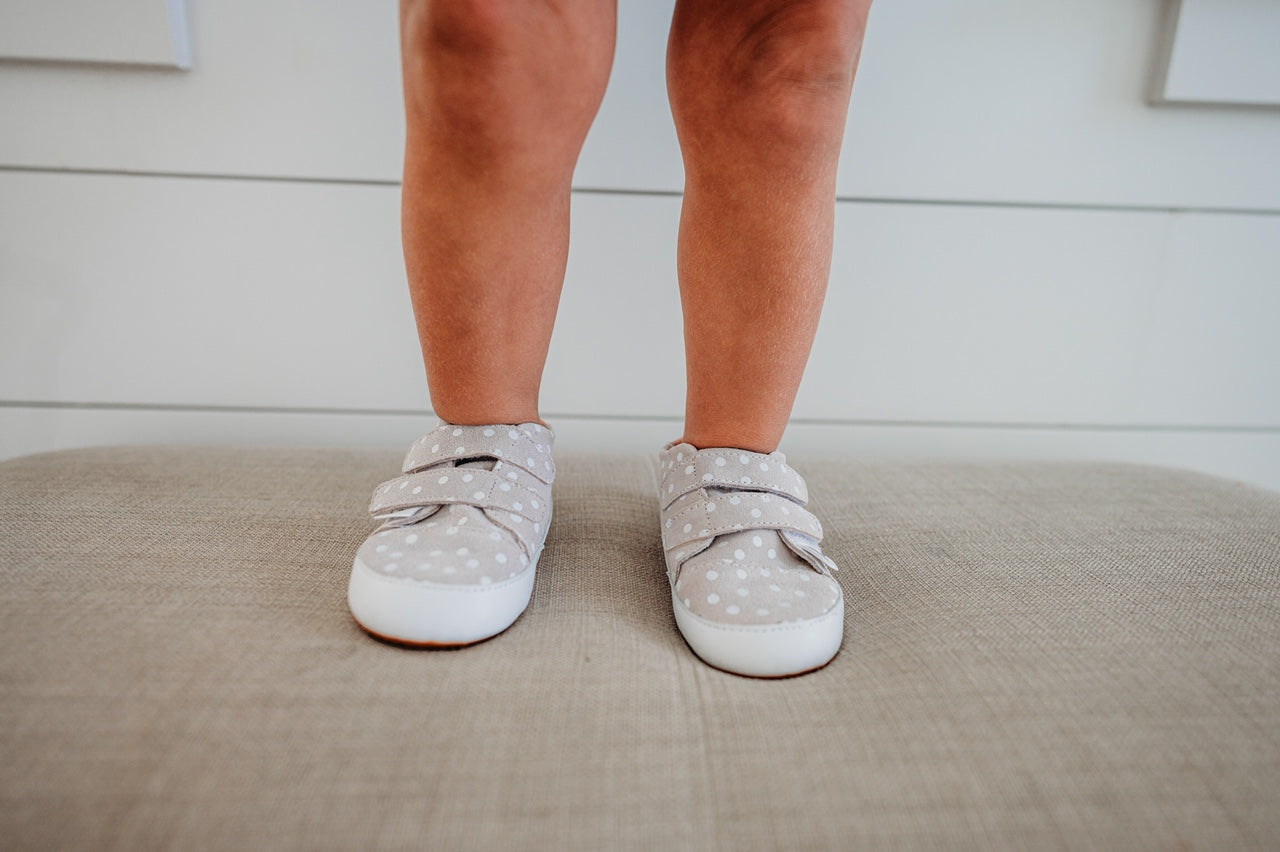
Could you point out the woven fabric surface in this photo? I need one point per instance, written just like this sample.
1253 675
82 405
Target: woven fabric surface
1037 655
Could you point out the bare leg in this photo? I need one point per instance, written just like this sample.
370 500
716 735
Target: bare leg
498 100
759 90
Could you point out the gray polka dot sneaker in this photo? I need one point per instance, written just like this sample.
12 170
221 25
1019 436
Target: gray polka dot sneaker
752 591
453 561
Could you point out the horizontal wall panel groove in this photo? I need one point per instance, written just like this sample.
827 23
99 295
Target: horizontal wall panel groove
584 416
151 173
673 193
978 100
230 293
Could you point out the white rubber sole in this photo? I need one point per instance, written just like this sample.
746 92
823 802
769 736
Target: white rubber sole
767 650
435 614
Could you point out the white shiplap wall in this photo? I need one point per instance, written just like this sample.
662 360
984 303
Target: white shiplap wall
1031 261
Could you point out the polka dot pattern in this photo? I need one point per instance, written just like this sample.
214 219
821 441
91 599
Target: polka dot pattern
476 487
753 560
693 518
525 445
718 586
728 468
464 525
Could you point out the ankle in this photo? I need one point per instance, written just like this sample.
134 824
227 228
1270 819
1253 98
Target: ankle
488 416
752 443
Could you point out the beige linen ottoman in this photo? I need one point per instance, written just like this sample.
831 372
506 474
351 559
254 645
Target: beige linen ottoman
1038 655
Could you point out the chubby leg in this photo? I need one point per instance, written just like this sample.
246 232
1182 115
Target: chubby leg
498 99
759 90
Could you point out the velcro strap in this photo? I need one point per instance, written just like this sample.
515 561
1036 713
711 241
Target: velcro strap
487 489
743 510
529 534
526 446
731 469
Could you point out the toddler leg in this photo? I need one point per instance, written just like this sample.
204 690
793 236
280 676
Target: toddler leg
759 90
498 100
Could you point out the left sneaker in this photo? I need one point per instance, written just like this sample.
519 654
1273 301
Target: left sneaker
752 591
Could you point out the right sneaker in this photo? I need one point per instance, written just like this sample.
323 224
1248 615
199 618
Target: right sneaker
751 589
454 558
